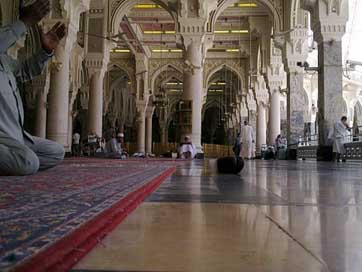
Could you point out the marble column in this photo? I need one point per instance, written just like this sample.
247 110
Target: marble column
149 114
41 115
296 105
58 99
330 87
274 116
193 85
141 127
95 103
261 127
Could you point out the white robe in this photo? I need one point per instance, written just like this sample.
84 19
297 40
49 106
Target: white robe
340 137
247 138
185 148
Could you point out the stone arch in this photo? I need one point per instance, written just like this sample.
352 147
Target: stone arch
178 76
220 67
119 8
161 70
127 69
171 112
269 5
119 102
214 103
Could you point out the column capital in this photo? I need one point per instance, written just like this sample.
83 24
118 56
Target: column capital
96 64
294 46
141 105
261 92
149 111
329 18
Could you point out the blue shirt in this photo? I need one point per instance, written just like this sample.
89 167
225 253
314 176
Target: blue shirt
11 72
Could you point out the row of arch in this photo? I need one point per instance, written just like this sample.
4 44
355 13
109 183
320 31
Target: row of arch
120 8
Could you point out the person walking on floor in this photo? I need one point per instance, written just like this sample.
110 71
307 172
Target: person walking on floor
247 141
339 135
21 153
76 144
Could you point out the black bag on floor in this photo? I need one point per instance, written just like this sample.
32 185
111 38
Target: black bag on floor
230 165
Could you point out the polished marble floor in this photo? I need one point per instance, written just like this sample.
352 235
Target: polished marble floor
276 216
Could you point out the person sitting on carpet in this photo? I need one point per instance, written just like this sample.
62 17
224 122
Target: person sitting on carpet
20 153
187 149
113 147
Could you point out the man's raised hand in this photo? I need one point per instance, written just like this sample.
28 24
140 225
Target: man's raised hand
33 13
52 38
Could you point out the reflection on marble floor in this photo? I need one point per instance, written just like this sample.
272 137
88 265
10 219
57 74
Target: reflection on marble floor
199 237
275 216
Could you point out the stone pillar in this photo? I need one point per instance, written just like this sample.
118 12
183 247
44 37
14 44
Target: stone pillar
193 86
261 127
329 26
149 114
294 47
95 103
142 98
141 128
295 105
58 98
274 116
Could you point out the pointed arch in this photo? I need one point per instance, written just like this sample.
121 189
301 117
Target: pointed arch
119 8
160 70
267 4
220 67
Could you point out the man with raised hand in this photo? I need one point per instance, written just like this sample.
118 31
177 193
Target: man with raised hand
21 153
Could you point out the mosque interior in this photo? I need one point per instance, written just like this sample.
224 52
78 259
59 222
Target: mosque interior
162 69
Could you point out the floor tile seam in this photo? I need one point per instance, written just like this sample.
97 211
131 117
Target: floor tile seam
296 240
251 203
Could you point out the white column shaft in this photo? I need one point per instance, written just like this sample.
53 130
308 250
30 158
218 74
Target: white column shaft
95 104
58 100
141 133
261 128
193 91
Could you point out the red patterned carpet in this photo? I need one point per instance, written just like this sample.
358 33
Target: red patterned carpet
50 220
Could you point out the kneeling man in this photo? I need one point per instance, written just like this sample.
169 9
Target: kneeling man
20 153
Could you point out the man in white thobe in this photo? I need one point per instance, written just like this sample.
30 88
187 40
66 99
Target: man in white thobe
339 135
247 141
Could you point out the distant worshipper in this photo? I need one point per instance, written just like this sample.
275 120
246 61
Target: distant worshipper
247 141
278 144
339 134
20 153
92 142
76 144
187 149
113 148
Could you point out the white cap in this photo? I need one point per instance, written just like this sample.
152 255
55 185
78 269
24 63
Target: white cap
121 135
